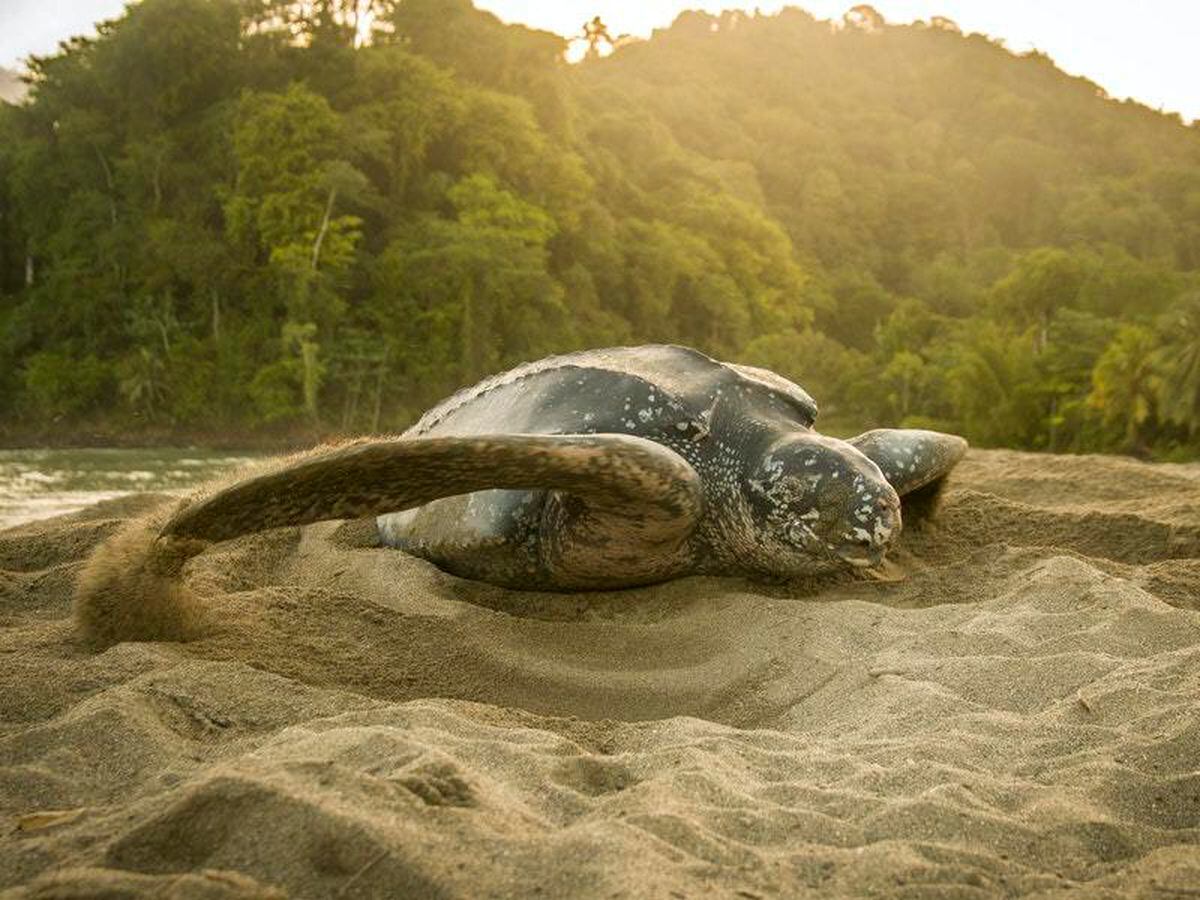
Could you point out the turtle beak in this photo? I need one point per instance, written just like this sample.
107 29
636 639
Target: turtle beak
864 549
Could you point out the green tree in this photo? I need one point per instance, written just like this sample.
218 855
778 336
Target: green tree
460 297
1043 281
1077 339
993 387
1178 358
1126 384
284 211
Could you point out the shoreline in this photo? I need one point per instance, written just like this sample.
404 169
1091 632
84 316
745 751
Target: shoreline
87 437
295 439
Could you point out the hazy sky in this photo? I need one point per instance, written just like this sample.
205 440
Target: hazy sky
1146 50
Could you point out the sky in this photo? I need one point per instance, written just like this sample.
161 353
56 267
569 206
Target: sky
1146 50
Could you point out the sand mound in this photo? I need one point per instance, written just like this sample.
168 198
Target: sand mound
1010 711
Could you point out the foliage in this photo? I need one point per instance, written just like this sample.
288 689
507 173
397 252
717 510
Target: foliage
1125 383
222 213
59 385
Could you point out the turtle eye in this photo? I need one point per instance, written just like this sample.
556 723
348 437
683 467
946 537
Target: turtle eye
811 482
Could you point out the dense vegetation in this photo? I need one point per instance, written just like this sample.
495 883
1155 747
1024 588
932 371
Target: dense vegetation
222 215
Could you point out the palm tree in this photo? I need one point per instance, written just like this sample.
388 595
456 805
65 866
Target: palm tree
992 386
596 33
1126 382
1179 359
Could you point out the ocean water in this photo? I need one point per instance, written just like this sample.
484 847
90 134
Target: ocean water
38 484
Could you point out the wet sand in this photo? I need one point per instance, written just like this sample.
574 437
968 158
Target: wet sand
1013 708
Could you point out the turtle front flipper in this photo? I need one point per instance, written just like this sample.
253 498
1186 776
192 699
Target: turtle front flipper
911 458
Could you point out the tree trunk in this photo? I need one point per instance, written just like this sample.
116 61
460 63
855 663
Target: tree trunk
108 179
162 330
311 375
157 179
387 349
468 354
316 253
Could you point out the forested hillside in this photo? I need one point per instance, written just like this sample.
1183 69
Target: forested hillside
225 217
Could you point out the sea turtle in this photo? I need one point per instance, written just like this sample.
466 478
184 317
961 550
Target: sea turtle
591 470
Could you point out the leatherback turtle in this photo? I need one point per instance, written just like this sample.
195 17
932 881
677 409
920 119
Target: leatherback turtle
599 469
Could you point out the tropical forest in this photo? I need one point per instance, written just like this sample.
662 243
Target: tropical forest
250 220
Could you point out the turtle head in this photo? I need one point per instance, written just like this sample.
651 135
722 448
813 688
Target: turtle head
818 502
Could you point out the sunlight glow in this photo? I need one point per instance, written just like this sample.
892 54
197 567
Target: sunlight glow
1145 51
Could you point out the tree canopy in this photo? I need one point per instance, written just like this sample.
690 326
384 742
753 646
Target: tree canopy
231 216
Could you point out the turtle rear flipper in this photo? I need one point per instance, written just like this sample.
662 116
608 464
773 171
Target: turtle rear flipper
635 499
629 488
911 458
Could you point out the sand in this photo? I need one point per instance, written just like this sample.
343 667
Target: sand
1012 708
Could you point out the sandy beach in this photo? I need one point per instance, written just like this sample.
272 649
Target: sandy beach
1011 708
